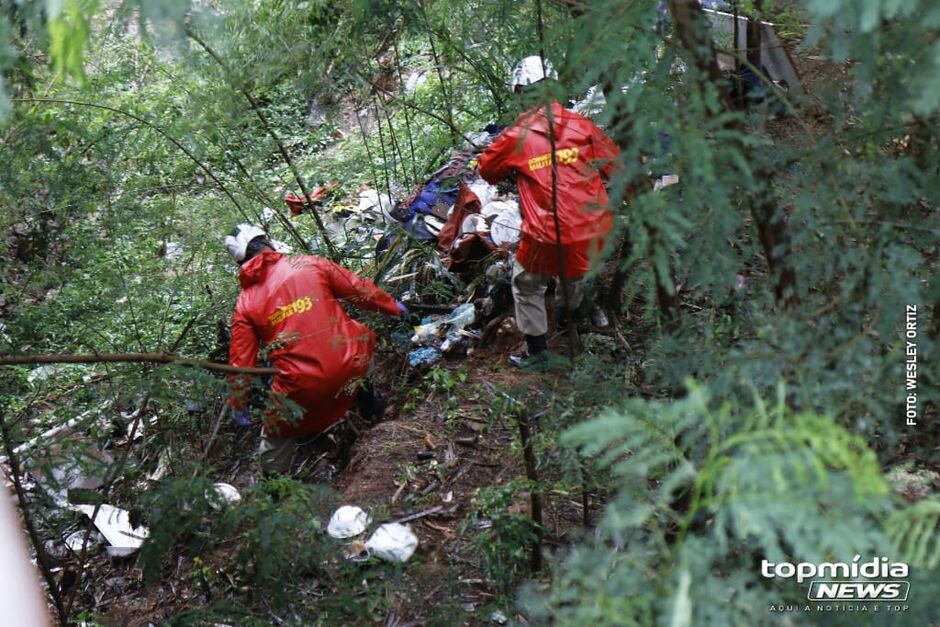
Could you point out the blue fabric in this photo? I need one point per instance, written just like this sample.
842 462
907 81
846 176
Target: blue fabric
423 357
418 229
425 201
241 417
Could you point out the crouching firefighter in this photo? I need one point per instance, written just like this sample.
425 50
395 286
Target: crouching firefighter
290 305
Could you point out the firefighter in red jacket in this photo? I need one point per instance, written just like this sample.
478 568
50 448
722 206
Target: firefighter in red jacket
582 154
290 306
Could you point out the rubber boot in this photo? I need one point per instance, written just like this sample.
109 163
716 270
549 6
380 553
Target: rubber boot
369 402
536 352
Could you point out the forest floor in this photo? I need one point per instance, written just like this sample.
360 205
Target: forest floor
440 441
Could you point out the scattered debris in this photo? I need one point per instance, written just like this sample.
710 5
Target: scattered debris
450 456
356 549
74 542
227 492
507 223
78 465
347 521
163 466
171 251
665 181
423 357
114 524
498 617
41 373
914 484
774 57
462 316
371 199
53 433
451 327
297 203
393 542
599 319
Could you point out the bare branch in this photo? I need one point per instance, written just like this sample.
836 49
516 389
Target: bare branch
166 358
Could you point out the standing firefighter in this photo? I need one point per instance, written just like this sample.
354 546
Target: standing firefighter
582 153
290 305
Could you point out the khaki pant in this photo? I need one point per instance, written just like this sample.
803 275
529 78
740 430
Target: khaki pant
528 290
277 453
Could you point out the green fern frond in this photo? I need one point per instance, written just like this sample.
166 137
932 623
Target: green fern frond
916 531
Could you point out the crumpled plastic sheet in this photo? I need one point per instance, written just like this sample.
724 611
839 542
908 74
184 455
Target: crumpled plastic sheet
393 542
426 356
347 521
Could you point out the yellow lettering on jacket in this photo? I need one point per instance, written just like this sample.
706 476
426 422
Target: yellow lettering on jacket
283 313
565 156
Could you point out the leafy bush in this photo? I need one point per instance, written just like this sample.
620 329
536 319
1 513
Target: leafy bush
707 490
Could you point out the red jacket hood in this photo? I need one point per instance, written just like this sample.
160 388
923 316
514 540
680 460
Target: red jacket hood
536 119
255 269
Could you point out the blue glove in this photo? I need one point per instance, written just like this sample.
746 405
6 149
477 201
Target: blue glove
241 417
402 309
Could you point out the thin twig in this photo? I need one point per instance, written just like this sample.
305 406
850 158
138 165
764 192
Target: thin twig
571 330
281 148
421 514
153 127
106 488
215 432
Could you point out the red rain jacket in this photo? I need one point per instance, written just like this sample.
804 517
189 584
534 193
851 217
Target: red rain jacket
582 153
289 304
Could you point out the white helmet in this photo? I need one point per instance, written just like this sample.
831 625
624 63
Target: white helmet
531 70
237 241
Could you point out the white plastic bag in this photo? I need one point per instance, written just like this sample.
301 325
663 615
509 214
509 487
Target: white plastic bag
114 524
393 542
347 521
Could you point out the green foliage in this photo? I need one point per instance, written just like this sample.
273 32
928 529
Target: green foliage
270 523
914 530
180 511
707 490
68 32
274 529
128 150
506 535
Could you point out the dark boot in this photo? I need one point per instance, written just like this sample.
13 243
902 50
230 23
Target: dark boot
369 402
536 352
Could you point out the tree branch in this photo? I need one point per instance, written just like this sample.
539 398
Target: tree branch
166 358
152 126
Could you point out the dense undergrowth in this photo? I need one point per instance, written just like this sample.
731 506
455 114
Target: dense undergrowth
750 403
